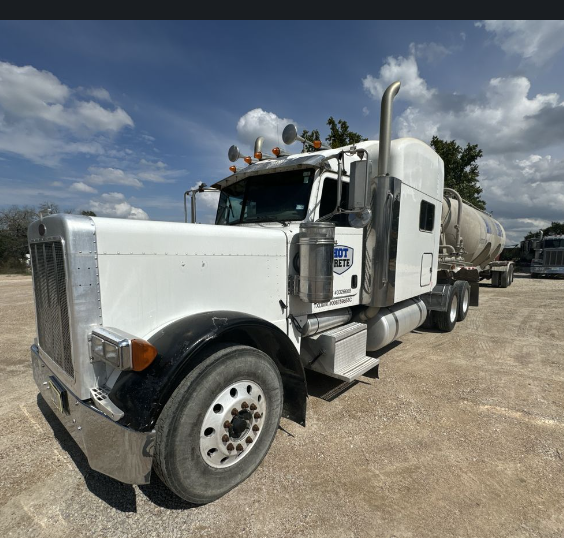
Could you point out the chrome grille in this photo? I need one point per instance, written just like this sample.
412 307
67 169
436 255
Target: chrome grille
554 257
49 280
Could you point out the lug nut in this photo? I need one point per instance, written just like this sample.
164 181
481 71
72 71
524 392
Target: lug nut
256 428
227 424
225 438
230 447
257 415
248 440
240 447
234 412
253 407
244 405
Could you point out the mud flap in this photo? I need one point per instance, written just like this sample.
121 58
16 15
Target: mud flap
474 293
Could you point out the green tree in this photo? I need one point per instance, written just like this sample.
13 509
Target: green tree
555 228
461 169
14 222
339 135
88 213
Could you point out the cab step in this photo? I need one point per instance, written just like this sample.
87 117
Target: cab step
339 352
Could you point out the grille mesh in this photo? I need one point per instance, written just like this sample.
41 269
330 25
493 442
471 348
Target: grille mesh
51 302
554 257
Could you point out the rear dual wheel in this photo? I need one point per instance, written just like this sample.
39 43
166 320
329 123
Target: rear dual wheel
219 423
446 321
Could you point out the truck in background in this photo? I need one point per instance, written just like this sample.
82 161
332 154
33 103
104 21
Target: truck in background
178 347
545 253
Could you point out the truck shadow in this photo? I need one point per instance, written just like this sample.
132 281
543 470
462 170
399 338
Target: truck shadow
116 494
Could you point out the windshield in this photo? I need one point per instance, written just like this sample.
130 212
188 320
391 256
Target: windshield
553 243
266 198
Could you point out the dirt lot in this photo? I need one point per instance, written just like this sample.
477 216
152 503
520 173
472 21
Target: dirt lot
462 435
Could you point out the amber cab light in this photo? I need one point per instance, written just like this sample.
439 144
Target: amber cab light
233 169
142 354
276 151
248 160
258 155
317 144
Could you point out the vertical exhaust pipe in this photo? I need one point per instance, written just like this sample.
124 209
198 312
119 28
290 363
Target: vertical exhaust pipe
386 127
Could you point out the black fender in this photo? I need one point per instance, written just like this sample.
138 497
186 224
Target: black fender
142 395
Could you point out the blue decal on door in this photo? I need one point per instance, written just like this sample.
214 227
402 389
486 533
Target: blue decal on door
342 259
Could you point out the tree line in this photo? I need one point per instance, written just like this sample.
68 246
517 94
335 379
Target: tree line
14 222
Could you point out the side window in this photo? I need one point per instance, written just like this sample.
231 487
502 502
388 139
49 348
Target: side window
329 201
426 216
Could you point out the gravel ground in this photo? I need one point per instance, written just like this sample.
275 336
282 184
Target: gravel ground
462 436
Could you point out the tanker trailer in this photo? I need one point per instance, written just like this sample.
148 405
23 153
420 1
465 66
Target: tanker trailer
475 237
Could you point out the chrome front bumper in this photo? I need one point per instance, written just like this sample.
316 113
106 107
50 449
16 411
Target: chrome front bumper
111 448
548 269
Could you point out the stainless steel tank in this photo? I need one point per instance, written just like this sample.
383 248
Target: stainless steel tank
391 323
483 237
317 243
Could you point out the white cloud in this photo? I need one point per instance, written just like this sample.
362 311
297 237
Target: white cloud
99 93
365 111
258 122
503 118
82 187
432 52
57 184
522 179
413 87
535 41
111 176
114 204
42 120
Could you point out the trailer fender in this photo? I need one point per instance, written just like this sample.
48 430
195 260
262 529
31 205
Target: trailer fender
142 395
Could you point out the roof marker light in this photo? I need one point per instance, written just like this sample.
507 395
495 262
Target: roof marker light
258 155
276 151
248 160
233 169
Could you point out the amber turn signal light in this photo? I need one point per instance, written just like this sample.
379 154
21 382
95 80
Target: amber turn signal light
142 354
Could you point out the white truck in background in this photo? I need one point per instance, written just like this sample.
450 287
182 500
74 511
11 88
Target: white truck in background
178 346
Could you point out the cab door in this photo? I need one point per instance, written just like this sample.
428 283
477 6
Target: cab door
347 261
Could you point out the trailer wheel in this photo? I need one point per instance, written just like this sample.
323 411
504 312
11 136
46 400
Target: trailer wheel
219 423
464 299
446 321
506 279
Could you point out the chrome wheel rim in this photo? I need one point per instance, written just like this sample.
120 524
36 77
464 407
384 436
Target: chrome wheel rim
453 309
232 424
465 300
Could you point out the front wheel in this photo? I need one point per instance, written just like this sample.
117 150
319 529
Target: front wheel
219 423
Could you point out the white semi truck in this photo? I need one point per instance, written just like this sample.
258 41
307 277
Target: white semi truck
178 347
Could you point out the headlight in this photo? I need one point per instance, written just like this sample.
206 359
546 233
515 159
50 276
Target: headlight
120 349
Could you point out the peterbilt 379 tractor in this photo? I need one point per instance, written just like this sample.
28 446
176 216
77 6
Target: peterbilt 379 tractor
178 347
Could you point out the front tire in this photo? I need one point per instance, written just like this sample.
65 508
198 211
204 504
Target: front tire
219 423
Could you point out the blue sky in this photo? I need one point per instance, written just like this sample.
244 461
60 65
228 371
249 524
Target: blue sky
123 117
